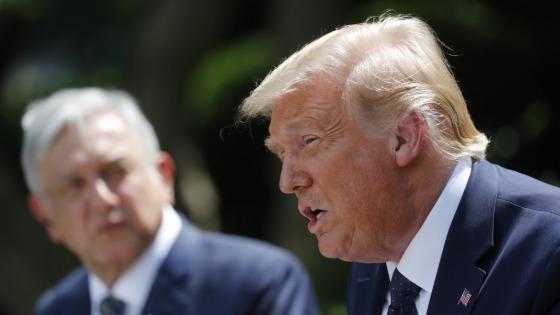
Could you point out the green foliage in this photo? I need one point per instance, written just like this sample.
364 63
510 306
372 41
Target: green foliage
535 119
477 18
335 309
218 75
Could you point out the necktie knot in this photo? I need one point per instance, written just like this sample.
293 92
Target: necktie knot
403 294
112 306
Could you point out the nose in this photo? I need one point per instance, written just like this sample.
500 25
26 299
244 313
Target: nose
103 195
293 178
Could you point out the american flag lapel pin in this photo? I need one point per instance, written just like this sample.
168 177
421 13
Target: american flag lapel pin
465 297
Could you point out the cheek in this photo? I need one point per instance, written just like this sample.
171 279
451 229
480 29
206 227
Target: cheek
71 228
139 189
363 187
144 198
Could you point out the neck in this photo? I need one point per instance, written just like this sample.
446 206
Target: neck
427 181
110 276
110 272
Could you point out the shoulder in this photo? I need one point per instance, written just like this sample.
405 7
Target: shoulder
526 211
63 297
243 251
236 259
525 192
246 276
233 248
525 230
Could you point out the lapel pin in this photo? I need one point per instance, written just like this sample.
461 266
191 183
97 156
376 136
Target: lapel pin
465 297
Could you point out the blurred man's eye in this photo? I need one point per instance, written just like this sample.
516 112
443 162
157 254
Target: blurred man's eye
115 173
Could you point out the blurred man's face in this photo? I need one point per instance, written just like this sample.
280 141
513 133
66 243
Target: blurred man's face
346 182
104 197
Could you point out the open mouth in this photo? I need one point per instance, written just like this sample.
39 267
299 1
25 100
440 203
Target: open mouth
314 215
317 213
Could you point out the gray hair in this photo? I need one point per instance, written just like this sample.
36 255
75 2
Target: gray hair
45 118
379 71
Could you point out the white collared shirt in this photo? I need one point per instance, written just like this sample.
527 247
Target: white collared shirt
134 286
420 260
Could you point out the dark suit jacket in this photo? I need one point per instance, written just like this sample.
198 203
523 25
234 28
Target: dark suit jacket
503 246
207 274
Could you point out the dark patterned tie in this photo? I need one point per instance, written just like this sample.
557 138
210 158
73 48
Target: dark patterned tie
403 294
112 306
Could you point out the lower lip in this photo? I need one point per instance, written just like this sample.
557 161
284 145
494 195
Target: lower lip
111 227
313 224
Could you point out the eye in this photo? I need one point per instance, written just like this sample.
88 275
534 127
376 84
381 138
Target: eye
307 140
76 183
72 187
114 174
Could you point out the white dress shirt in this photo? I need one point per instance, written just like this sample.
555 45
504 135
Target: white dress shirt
134 286
420 260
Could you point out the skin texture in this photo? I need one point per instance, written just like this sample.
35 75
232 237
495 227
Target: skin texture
103 198
366 185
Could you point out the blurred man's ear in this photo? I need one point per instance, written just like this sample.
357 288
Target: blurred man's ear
41 214
409 138
166 168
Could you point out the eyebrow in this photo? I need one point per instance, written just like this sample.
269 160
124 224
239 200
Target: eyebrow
291 127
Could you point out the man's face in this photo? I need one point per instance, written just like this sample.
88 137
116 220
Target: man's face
104 198
346 181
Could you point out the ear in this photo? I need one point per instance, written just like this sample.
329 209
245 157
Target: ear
409 138
42 215
166 169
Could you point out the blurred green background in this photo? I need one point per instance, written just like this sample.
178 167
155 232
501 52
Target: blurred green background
191 63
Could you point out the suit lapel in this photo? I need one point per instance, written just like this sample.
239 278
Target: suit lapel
452 280
170 291
380 290
79 300
367 289
470 236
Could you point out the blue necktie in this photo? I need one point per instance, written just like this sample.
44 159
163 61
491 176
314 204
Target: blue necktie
403 295
112 306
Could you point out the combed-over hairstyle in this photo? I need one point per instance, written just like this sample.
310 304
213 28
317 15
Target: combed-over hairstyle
379 70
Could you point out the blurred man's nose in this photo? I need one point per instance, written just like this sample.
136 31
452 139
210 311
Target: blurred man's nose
103 195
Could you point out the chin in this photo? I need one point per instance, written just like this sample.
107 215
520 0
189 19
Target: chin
118 254
331 251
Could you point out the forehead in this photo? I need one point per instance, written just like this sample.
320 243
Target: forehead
100 124
316 110
99 132
316 106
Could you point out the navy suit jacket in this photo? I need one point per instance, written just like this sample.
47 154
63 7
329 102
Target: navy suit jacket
207 273
503 246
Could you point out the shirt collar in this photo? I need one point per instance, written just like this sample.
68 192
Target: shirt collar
134 285
420 260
